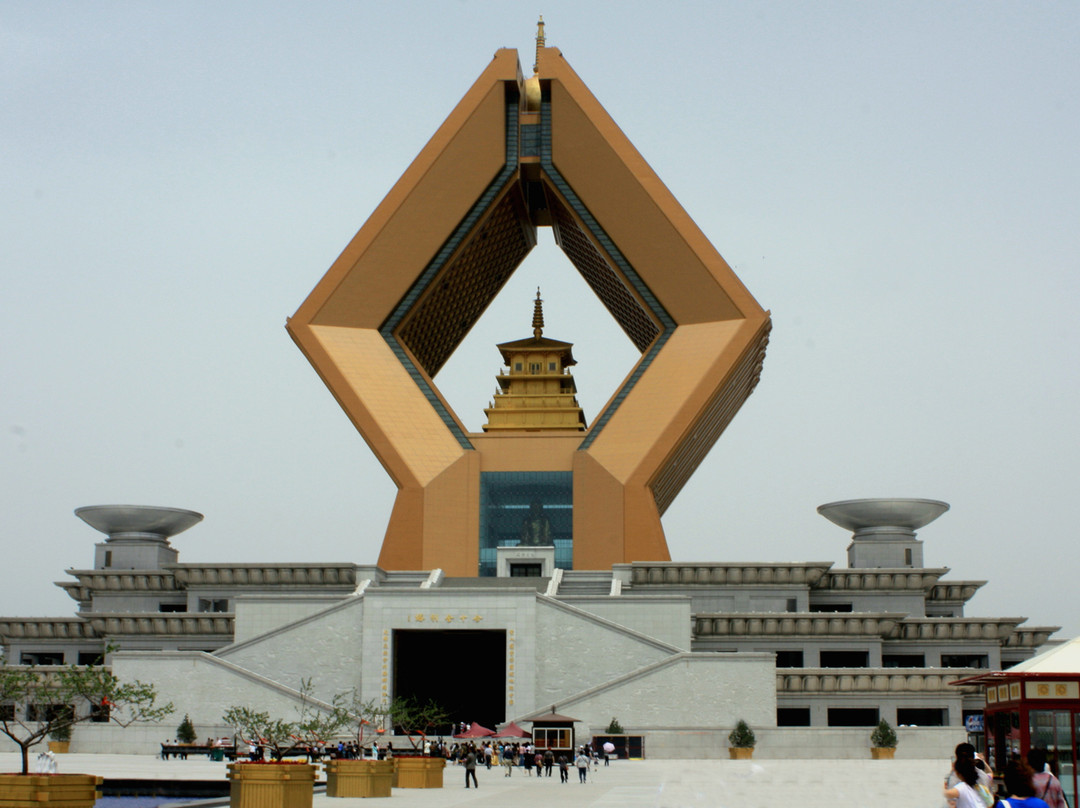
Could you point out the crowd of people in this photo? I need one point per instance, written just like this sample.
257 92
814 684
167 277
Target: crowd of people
1025 784
524 756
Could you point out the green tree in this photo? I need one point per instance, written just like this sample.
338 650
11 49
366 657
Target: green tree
43 702
185 733
412 718
742 737
614 728
315 723
883 736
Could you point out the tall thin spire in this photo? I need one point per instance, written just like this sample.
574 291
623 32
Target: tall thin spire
538 313
539 44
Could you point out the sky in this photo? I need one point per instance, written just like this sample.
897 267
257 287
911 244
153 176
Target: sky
897 182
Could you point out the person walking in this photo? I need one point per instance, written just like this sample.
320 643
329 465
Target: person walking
1047 786
582 763
549 762
564 769
508 761
470 768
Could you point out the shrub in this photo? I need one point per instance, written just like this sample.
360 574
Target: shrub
742 737
614 728
883 736
185 733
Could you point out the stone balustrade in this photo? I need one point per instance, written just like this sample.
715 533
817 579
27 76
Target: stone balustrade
957 628
671 573
791 681
322 575
46 628
159 625
1029 636
804 625
954 591
918 580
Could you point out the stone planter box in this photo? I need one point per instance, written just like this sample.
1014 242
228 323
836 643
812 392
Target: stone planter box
741 752
882 752
359 778
419 772
271 785
53 790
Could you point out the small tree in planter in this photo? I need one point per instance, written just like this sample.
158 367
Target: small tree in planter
185 733
416 720
883 741
742 741
56 699
314 724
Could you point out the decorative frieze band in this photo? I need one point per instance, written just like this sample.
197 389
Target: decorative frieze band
795 625
876 680
958 628
673 573
1030 636
954 591
918 580
189 575
157 625
45 628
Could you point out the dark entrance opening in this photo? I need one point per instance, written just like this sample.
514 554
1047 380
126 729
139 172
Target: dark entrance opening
462 670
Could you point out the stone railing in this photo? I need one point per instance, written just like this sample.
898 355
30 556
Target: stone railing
956 628
340 575
90 581
670 573
790 681
46 628
1030 636
803 625
918 580
159 625
954 591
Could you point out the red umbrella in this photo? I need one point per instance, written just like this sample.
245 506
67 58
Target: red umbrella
476 731
512 730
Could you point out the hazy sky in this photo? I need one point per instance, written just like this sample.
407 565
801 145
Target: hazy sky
899 183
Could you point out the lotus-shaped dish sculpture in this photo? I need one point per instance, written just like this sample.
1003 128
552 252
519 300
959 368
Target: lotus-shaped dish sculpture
873 515
118 521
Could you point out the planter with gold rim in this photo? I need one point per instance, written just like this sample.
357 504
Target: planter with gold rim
51 790
271 785
359 778
419 772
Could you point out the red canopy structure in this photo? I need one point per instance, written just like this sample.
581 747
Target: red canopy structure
512 730
476 731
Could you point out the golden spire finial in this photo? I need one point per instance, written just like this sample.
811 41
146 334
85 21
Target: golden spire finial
539 44
538 315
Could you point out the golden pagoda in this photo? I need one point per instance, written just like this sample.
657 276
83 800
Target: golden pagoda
536 391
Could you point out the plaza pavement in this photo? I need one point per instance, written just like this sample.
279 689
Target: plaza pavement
623 784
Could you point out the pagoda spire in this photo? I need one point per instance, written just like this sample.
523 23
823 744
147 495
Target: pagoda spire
539 44
538 315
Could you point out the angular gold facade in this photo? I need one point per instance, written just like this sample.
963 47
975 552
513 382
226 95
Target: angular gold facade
420 273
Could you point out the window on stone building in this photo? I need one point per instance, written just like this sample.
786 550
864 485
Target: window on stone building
172 607
964 661
830 608
7 712
213 605
91 658
792 716
531 570
99 713
41 658
845 659
789 659
921 716
903 661
792 605
853 716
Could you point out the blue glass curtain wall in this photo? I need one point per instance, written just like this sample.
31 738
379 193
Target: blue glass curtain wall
531 508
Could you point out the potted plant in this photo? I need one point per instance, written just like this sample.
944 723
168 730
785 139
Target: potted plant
359 777
40 702
741 740
415 721
883 741
278 783
60 738
185 733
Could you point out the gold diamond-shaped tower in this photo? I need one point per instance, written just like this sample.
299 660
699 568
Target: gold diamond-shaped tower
516 154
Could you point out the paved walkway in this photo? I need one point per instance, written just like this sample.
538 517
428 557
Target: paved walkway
623 784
